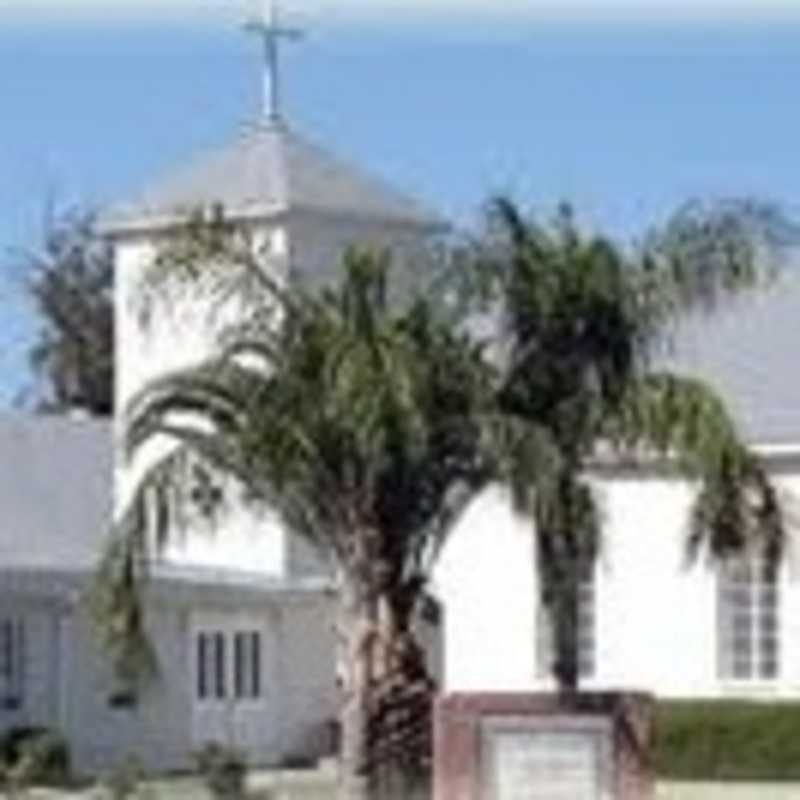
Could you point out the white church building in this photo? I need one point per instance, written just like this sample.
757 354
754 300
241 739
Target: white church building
241 613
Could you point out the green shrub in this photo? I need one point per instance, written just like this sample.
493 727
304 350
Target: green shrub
122 781
297 761
727 740
34 755
224 770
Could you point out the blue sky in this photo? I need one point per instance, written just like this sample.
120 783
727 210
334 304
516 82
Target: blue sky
623 115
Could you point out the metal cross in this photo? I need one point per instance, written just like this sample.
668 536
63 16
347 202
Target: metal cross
271 34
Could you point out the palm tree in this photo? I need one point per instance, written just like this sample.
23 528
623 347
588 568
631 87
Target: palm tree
365 425
581 322
368 425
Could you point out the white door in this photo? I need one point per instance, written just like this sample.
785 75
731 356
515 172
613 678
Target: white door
232 701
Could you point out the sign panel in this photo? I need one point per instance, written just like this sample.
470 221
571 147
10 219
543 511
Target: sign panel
544 763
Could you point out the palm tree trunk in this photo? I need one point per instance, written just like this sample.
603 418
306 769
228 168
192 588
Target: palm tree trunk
404 697
559 559
558 573
357 621
565 623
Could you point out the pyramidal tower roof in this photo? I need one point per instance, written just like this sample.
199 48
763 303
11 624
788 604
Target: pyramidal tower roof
268 170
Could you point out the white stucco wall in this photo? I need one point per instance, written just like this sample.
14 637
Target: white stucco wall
180 325
307 664
656 616
181 331
169 723
157 729
485 579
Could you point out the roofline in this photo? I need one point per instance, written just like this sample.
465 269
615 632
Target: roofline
431 223
74 421
776 454
160 223
69 584
236 579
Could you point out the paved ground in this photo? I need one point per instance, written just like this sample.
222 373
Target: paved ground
308 785
266 785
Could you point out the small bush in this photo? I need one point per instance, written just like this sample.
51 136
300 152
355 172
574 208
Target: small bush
727 740
297 761
224 770
123 779
34 755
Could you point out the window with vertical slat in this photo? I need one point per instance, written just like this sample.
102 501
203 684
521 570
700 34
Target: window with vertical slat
12 662
219 666
748 617
255 655
202 666
228 664
247 664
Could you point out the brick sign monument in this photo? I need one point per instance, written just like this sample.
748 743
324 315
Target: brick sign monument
513 746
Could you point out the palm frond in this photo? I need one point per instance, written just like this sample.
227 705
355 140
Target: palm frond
117 595
675 416
686 421
737 510
709 251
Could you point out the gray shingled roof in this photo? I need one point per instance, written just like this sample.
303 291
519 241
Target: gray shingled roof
750 352
269 169
56 495
55 491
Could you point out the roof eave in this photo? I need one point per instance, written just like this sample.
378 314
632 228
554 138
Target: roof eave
424 223
159 223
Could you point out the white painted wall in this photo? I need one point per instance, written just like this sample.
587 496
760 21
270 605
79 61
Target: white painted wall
181 331
307 674
157 729
656 617
486 581
183 320
169 724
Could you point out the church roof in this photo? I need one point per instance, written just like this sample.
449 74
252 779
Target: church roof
55 491
268 170
748 351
